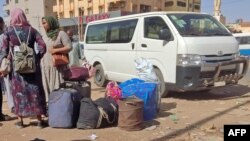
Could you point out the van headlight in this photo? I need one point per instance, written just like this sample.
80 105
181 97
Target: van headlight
188 60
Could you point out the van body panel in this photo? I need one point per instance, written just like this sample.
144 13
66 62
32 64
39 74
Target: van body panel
213 45
191 50
164 50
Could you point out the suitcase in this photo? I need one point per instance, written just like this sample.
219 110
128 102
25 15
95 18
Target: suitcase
84 88
64 105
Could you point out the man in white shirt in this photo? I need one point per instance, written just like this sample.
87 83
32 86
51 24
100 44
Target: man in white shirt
76 53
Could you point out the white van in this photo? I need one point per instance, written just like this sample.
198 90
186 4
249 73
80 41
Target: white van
244 43
189 51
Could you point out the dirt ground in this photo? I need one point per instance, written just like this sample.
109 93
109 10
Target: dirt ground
193 116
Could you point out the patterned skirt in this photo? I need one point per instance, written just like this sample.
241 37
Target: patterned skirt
28 99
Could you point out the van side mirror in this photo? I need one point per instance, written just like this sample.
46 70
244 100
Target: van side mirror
165 34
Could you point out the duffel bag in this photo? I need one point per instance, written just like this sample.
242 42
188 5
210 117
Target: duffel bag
101 113
75 73
109 111
88 115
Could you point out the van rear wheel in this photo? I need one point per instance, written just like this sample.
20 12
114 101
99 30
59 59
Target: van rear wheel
99 78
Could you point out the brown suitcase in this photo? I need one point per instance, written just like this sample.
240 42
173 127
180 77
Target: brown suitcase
130 114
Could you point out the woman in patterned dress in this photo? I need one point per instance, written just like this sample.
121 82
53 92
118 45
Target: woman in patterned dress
27 88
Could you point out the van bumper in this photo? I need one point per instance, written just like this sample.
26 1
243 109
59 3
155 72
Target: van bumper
190 78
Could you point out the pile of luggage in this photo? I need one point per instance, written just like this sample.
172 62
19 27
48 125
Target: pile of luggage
72 106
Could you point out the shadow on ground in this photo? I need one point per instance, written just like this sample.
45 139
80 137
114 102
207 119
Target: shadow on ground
165 107
179 132
226 92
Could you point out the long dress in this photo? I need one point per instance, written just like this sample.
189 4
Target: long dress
27 89
52 76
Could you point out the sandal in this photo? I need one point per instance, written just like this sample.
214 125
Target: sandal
19 124
5 117
41 124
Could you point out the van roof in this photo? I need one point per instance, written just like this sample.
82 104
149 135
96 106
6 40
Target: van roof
241 34
142 14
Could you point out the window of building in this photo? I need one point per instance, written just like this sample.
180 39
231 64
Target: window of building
61 15
81 11
197 7
60 2
71 14
169 3
134 9
90 11
145 8
101 9
16 1
26 11
152 27
181 4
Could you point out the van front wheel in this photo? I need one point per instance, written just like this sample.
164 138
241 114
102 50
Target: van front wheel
162 87
99 78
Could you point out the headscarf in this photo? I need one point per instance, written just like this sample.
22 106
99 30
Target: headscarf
53 27
18 18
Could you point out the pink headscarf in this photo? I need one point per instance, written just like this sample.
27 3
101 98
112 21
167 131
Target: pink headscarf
18 17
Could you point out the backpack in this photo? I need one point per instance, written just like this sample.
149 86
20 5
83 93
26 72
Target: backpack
23 56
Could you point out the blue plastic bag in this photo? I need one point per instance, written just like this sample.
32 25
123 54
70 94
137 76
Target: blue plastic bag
146 91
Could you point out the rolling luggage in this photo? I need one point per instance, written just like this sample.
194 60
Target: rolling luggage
64 105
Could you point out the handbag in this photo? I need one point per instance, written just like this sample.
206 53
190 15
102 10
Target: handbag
59 59
75 73
5 66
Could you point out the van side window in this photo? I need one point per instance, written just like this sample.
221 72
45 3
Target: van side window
152 27
97 34
122 32
245 40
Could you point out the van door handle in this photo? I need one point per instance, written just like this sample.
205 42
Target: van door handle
143 45
133 46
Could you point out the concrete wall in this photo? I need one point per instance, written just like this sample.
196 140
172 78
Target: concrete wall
64 7
34 10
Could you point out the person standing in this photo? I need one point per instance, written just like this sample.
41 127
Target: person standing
57 41
76 53
26 87
2 116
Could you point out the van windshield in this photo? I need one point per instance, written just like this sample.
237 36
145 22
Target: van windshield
198 25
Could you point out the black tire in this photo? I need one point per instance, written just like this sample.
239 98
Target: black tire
162 87
99 78
162 91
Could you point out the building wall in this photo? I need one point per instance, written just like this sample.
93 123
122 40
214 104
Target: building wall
75 8
34 10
